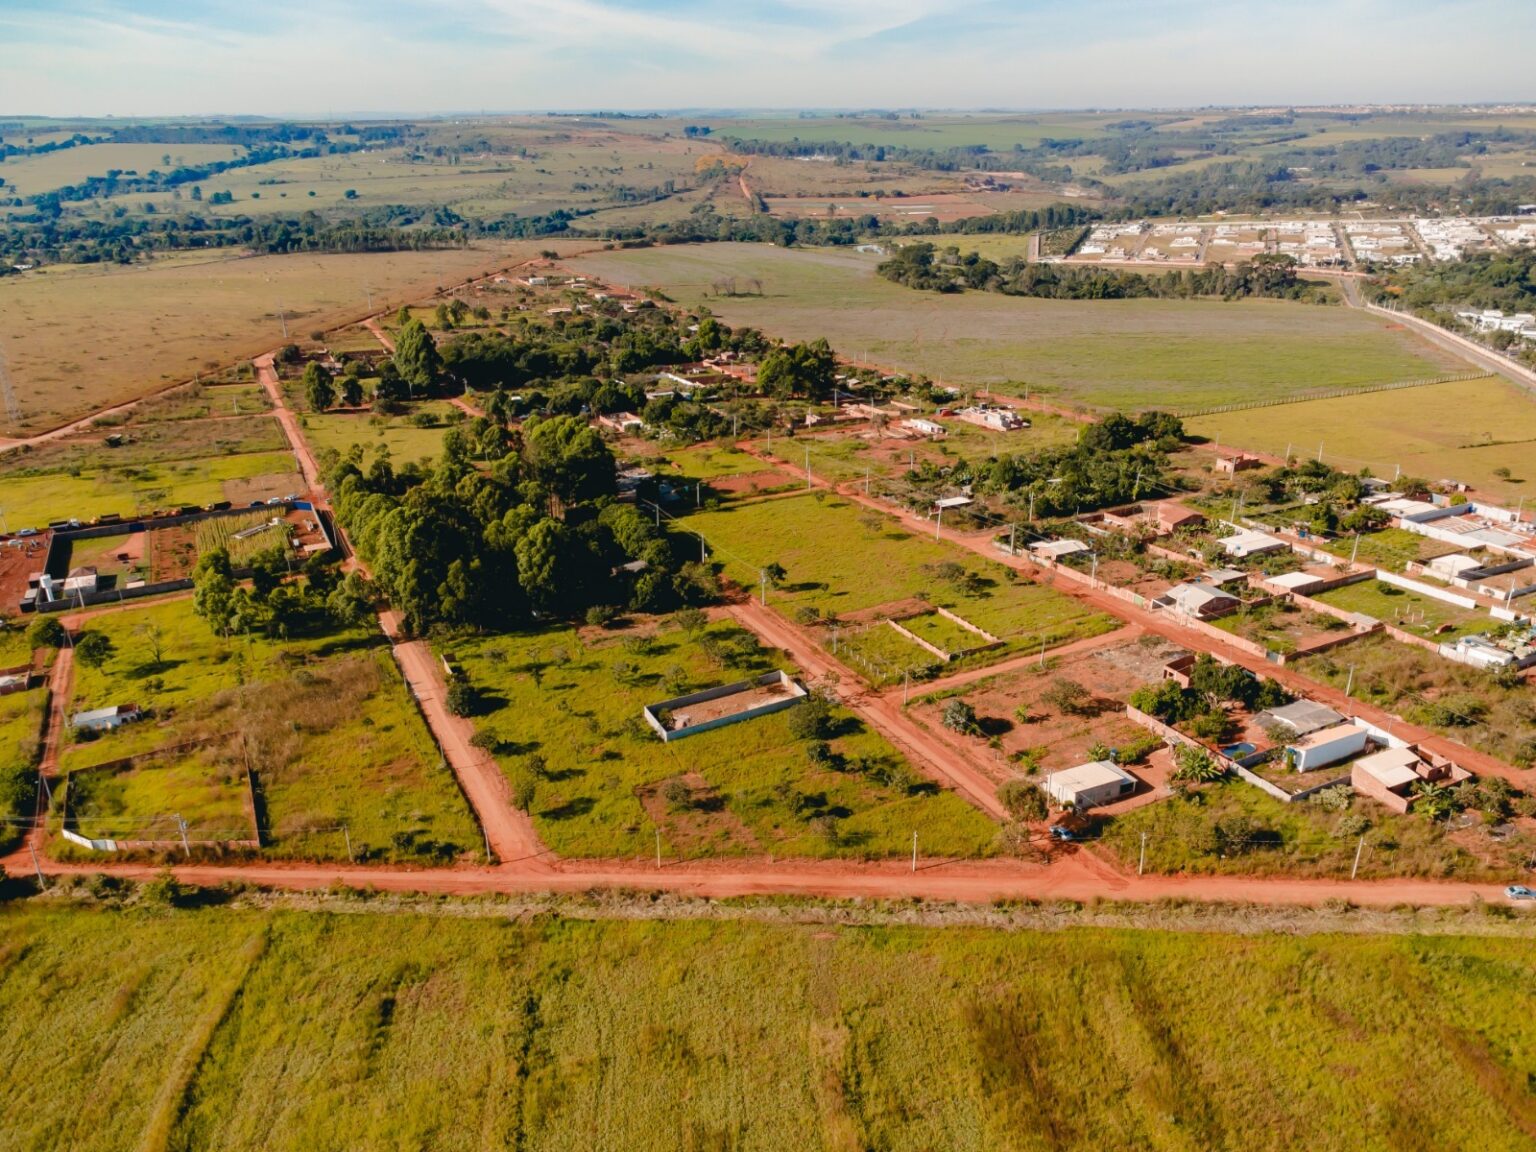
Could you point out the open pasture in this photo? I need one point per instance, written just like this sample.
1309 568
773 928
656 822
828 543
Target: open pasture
1101 353
563 717
32 175
298 1030
1465 430
100 335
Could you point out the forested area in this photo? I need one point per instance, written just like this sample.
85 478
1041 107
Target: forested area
928 268
1505 280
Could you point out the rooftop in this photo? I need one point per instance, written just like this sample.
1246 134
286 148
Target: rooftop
1094 774
1324 736
1393 767
1303 716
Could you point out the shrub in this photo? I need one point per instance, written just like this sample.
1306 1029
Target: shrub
1195 765
677 794
1335 799
1070 698
461 697
960 717
1137 750
811 719
1023 801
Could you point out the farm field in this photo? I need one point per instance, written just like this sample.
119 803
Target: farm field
35 500
99 335
324 722
300 1030
1103 353
31 175
842 559
144 444
1465 430
563 716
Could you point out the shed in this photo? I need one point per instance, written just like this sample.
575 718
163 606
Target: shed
105 719
1326 746
1248 543
1301 716
1088 785
1200 601
1056 549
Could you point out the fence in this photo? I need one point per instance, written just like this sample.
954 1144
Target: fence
1329 394
794 694
989 641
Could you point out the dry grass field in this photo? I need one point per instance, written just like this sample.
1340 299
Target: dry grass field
31 175
82 337
1098 353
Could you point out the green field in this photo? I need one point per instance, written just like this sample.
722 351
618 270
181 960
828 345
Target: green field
1420 615
21 729
31 175
405 441
574 702
35 500
1102 353
324 721
837 562
1464 430
144 802
1390 548
239 1029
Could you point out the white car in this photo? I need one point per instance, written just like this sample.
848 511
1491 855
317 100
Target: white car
1519 892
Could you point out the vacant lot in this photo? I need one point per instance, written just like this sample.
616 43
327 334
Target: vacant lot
303 1031
840 558
403 437
563 716
1464 430
1420 615
100 335
21 728
1104 353
323 721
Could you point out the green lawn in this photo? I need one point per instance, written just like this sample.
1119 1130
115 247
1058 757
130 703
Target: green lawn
1390 548
324 721
404 439
842 558
1421 615
576 706
241 1029
1103 353
35 500
143 802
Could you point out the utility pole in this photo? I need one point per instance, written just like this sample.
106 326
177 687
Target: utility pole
1141 864
41 883
703 553
1287 454
906 685
1350 682
1031 507
1359 848
1012 531
807 465
181 826
347 836
866 480
938 523
658 849
1355 551
486 836
914 849
762 581
698 493
1093 576
1042 651
1319 452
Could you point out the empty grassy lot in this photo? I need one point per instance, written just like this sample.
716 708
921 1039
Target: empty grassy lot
1391 548
21 728
99 334
564 715
35 500
240 1029
840 558
324 721
148 443
1420 615
1465 430
400 435
1101 353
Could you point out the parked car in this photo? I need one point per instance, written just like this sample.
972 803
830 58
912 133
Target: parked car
1062 832
26 532
1519 892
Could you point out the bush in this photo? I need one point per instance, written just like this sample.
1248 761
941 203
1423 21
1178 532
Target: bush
1137 750
1070 698
1022 800
602 615
1195 765
461 698
1335 799
47 632
961 717
677 794
811 719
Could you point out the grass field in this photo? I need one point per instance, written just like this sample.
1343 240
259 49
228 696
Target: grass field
240 1029
1391 548
574 701
35 500
1103 353
405 441
842 559
31 175
21 730
148 443
100 334
1420 615
1465 430
324 721
144 802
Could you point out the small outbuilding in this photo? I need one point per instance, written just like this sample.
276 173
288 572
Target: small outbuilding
105 719
1326 746
1247 543
1089 785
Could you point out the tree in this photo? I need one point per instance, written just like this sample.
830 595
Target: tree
153 639
1022 800
691 620
94 649
569 460
352 600
812 718
1070 698
351 391
774 573
47 632
1195 765
416 356
461 697
960 717
319 390
523 793
801 369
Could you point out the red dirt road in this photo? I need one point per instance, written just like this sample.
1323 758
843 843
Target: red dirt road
266 374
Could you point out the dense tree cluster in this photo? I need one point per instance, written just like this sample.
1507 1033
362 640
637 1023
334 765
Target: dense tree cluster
923 266
540 534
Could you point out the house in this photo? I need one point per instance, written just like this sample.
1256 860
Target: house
924 427
1301 717
105 719
1221 577
997 419
1326 746
1197 601
1058 549
1237 462
1247 543
1390 776
1448 568
621 422
1297 582
1171 517
1089 785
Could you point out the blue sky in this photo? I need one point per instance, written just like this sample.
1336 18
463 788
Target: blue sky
300 57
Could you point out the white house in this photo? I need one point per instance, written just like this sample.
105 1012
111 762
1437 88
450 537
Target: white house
1057 549
1247 543
997 419
1199 601
1301 717
1326 746
924 427
105 719
1089 785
